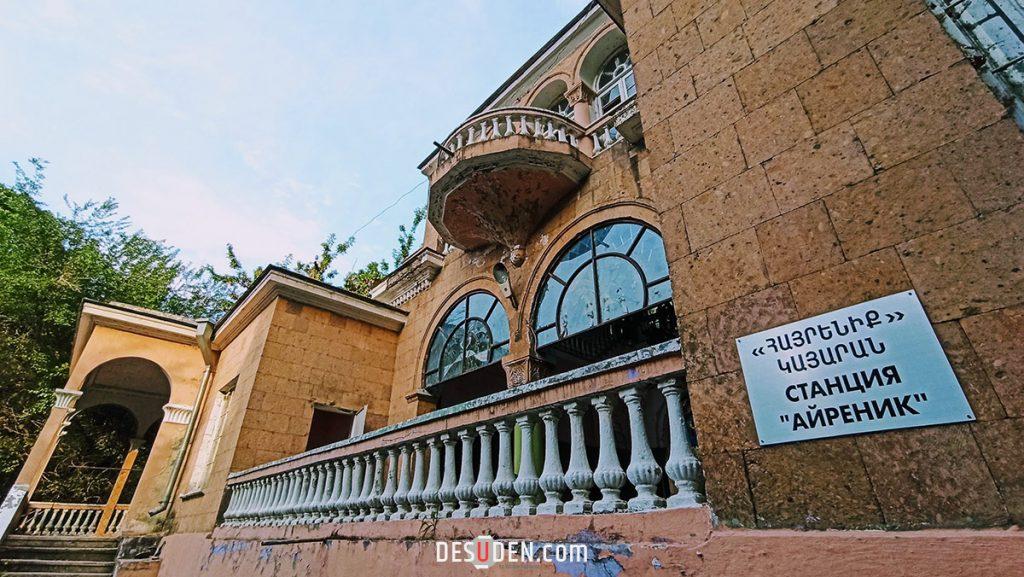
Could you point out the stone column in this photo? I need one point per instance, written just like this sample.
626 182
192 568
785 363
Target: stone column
431 501
551 479
402 492
415 496
682 466
643 471
483 490
526 483
467 479
504 483
609 476
579 477
447 491
387 498
352 503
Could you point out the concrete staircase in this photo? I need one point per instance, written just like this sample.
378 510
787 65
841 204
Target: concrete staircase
38 556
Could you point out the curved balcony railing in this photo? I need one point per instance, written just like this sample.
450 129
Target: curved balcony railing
442 474
505 122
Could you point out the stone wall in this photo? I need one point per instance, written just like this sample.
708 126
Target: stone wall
673 542
289 358
806 155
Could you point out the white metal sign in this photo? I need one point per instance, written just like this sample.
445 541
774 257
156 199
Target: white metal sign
869 367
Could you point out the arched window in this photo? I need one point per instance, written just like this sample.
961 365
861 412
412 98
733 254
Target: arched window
473 335
563 108
614 82
607 293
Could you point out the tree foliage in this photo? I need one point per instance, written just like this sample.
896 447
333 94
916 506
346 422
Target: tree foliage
49 263
364 279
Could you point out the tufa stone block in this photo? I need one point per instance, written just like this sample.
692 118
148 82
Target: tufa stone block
716 22
969 372
781 19
987 164
720 61
719 273
786 66
996 337
842 90
817 167
970 268
721 414
773 128
854 23
728 208
798 243
755 312
1000 443
869 277
931 477
910 200
727 490
914 50
706 116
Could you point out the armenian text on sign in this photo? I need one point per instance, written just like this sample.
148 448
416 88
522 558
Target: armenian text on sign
874 366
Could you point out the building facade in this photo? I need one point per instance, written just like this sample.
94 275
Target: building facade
559 362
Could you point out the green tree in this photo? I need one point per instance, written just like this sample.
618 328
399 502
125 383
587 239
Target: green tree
49 263
364 279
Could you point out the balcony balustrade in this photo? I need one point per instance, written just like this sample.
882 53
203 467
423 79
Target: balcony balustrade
495 178
470 470
69 519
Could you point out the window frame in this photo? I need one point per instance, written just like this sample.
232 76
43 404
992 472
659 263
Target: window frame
491 350
617 81
592 264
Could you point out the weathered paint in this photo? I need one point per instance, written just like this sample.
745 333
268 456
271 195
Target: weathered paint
664 542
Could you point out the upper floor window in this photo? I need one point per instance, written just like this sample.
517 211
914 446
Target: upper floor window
607 293
614 82
473 335
563 108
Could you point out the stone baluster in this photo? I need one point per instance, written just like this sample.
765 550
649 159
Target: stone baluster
273 498
608 138
504 483
377 487
283 488
254 507
305 496
294 486
526 484
261 512
352 503
239 504
552 477
431 500
401 498
320 477
609 476
332 492
496 132
485 478
235 493
241 515
509 130
597 142
538 127
524 128
415 496
324 498
364 495
682 466
469 139
447 491
579 477
643 471
467 478
458 141
340 506
387 498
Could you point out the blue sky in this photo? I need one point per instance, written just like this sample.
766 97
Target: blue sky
265 124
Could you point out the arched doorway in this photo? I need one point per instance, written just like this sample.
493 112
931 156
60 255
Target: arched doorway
92 475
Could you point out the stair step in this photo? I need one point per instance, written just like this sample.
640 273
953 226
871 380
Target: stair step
60 553
8 566
44 574
66 542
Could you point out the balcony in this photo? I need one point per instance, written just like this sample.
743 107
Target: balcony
501 172
625 414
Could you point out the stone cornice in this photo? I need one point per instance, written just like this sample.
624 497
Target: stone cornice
410 279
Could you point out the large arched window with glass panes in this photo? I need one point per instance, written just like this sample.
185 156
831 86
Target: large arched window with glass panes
606 294
463 359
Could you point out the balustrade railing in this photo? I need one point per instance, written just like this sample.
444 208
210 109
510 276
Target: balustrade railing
505 122
444 475
68 519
